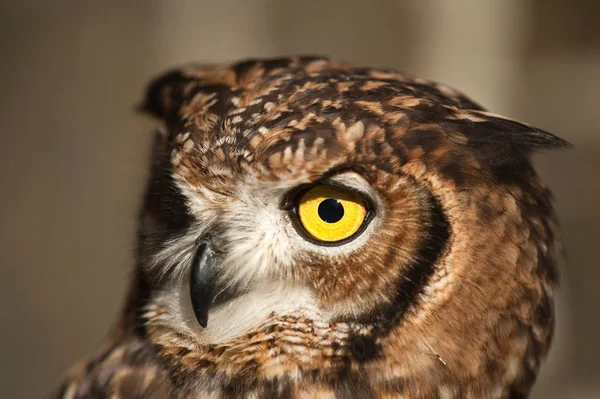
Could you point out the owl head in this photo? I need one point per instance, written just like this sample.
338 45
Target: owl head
312 223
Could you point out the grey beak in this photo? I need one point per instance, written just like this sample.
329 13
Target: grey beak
202 281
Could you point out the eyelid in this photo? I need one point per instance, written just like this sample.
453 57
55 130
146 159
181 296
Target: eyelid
290 199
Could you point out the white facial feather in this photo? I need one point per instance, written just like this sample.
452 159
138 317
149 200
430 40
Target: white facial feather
240 315
259 246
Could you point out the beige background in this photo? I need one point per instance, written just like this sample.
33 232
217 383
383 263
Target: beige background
73 153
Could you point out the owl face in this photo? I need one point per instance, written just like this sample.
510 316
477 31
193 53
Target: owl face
307 220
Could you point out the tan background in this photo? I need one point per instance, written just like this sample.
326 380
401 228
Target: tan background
73 153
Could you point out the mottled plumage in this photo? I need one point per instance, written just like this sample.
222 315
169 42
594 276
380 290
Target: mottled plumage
446 292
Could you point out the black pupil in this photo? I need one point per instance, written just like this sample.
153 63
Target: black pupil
331 210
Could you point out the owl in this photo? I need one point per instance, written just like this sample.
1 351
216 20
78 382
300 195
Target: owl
314 229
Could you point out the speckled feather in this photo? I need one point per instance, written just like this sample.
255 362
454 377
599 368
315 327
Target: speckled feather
449 293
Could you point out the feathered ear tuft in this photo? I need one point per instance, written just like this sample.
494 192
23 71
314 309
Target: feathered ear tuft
498 141
193 93
165 96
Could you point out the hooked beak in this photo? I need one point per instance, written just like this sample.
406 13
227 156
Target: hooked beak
202 281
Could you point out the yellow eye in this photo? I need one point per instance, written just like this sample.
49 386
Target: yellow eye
331 214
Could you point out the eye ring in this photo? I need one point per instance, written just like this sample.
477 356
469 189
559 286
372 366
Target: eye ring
337 214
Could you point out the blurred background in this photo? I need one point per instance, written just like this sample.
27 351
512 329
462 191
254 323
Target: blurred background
74 155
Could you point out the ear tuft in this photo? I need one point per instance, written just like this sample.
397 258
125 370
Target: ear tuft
498 141
164 96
